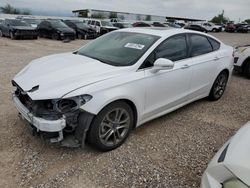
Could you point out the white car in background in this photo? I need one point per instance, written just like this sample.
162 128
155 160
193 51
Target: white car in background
211 27
242 60
120 81
101 26
230 167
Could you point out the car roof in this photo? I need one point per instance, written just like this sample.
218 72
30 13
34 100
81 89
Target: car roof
158 31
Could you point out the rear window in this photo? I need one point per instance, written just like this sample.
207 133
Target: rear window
200 45
215 44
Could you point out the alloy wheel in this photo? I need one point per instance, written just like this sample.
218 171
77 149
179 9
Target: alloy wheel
114 127
220 85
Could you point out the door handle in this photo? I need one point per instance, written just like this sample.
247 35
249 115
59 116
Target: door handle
216 58
185 66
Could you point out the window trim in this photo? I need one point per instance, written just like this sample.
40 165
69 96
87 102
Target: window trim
191 47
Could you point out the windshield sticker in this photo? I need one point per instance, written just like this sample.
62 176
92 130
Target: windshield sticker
134 46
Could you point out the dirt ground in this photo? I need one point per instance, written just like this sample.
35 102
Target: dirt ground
171 151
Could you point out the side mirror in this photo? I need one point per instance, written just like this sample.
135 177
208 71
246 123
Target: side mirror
162 64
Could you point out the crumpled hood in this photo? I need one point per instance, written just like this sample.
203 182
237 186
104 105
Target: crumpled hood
57 75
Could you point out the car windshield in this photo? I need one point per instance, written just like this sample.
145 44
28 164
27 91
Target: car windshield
105 23
81 24
17 23
58 24
119 48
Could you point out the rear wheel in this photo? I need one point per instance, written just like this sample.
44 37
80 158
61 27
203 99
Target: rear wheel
219 86
55 36
111 126
247 69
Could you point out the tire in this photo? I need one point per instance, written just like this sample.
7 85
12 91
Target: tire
55 36
105 132
35 37
247 70
218 87
12 35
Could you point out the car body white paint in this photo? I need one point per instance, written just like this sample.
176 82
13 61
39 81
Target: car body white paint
153 94
236 164
241 55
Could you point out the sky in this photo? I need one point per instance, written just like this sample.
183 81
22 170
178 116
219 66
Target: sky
201 9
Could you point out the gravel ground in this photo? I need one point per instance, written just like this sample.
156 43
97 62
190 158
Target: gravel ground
171 151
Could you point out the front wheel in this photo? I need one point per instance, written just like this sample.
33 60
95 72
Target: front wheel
111 126
219 86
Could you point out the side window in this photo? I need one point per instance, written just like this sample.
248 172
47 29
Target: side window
199 45
174 48
98 24
89 22
92 22
214 43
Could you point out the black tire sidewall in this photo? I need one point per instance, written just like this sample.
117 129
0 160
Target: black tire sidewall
247 70
93 134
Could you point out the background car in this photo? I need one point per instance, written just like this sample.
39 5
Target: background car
241 28
196 27
101 26
242 60
211 27
56 30
122 25
17 29
83 31
32 22
230 27
230 167
174 25
102 83
158 24
141 24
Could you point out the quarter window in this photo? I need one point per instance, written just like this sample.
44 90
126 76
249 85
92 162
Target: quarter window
200 45
214 43
174 48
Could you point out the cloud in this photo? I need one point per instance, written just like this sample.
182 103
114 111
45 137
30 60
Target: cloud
202 9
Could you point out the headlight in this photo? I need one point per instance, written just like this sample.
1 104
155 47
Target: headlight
71 104
234 183
241 49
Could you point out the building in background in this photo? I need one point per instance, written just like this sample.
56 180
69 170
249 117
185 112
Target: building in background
104 14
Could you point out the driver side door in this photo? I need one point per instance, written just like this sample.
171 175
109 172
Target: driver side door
168 89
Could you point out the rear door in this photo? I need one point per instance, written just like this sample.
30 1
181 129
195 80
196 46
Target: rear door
204 61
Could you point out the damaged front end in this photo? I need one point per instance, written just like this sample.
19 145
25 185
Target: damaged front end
57 120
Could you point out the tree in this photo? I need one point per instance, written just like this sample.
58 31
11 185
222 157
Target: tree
248 21
220 19
8 9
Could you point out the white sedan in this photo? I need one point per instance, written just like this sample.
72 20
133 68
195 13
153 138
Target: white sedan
118 82
230 167
242 60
